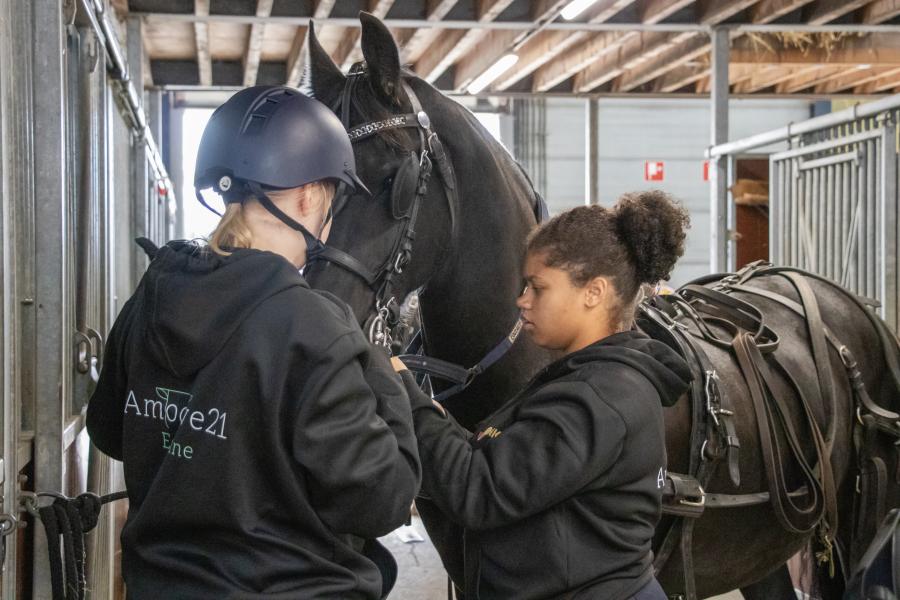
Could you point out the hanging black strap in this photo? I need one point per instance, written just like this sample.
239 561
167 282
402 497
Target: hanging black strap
66 522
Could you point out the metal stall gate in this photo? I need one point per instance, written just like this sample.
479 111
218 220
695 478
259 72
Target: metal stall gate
80 177
833 197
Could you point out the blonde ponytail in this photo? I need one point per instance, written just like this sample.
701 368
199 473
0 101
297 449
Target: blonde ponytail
231 232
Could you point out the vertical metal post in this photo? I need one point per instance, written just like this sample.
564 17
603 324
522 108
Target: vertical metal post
51 250
592 145
15 191
719 135
176 172
888 223
140 212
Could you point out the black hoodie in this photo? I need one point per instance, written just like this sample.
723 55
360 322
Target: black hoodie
560 490
257 455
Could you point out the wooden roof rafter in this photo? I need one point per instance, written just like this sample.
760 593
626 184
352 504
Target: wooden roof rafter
296 55
201 39
453 45
254 43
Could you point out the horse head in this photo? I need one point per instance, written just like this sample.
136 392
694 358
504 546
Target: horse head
401 234
469 219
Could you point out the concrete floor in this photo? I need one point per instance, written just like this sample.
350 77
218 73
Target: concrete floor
421 575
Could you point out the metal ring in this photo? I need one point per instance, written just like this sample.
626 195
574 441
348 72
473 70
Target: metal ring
8 524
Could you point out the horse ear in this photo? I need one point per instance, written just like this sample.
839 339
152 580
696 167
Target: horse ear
321 77
382 56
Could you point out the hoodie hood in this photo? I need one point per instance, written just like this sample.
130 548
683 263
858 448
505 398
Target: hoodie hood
193 300
660 364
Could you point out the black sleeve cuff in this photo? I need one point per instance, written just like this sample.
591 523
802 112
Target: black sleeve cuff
417 398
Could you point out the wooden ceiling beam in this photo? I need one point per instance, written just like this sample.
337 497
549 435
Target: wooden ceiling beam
201 37
296 56
655 11
675 51
826 11
423 37
883 83
432 65
715 11
680 48
874 48
544 47
497 43
379 8
255 42
577 59
680 77
881 11
606 48
765 76
767 11
803 81
856 78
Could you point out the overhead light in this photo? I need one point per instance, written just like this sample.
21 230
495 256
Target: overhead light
492 73
575 8
864 66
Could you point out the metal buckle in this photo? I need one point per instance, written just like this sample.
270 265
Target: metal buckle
711 377
699 503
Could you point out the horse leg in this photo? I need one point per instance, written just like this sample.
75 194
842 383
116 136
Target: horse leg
777 585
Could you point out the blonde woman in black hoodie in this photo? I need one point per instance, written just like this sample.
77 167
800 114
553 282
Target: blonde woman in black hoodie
265 443
560 490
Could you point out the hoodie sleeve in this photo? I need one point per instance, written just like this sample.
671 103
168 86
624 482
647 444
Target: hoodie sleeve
354 435
564 438
105 409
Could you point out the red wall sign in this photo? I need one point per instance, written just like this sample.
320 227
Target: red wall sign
705 170
653 170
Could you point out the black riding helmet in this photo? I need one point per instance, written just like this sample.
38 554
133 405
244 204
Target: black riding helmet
273 137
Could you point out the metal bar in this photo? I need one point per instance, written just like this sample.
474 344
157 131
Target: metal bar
834 159
776 210
891 246
871 211
828 218
814 228
853 113
51 251
843 213
168 18
828 144
719 134
139 172
796 191
592 194
861 229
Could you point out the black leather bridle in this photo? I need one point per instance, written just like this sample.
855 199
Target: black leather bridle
420 164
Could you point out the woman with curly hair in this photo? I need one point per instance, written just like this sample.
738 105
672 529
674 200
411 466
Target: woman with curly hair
560 490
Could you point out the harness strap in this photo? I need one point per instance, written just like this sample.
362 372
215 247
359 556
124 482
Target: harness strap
771 411
886 420
821 359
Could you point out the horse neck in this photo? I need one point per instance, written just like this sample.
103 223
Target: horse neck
471 306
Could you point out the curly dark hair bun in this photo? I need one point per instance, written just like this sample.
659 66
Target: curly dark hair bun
652 227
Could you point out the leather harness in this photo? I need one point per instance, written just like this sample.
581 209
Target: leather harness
707 310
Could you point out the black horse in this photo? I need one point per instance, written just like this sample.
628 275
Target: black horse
465 260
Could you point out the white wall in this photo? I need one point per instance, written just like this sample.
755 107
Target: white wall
633 131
